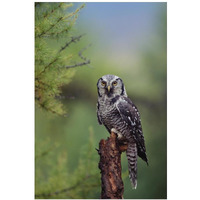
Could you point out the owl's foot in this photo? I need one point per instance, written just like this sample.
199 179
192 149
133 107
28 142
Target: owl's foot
119 135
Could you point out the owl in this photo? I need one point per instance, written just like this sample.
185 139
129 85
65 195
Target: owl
119 115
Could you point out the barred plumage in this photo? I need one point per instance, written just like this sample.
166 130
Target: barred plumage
132 163
118 113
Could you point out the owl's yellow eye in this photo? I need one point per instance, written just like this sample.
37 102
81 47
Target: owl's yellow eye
115 83
103 83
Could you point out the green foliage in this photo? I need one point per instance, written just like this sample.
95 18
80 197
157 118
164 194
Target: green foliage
54 61
54 180
52 65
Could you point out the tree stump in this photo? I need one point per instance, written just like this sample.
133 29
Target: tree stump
110 150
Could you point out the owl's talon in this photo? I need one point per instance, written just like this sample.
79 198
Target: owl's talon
114 130
119 135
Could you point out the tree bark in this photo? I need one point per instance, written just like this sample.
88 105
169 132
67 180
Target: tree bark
110 150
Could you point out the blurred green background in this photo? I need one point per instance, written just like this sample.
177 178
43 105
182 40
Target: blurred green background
130 41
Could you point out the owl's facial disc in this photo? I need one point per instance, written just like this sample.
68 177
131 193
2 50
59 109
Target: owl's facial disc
110 86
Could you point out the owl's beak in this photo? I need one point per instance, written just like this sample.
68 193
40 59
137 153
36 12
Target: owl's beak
109 88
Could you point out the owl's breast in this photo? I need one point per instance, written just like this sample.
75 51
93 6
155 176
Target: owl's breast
110 117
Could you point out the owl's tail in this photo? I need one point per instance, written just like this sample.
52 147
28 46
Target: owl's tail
131 153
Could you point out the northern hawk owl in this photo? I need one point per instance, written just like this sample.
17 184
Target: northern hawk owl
118 114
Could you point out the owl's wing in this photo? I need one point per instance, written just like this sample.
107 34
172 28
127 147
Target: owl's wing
130 114
98 115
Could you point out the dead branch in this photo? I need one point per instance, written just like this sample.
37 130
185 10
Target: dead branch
85 62
110 150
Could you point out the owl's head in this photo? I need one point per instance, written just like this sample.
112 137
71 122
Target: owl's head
111 86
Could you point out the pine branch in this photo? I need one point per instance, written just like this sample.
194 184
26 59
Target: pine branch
53 10
52 26
80 53
52 20
59 19
60 33
78 64
75 12
43 105
47 66
73 39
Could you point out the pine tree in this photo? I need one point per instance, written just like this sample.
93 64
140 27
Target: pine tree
53 66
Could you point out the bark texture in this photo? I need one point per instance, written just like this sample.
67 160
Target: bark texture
112 186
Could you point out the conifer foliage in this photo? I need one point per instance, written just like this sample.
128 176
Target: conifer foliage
53 66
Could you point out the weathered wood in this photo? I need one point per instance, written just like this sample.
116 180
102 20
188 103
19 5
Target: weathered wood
112 186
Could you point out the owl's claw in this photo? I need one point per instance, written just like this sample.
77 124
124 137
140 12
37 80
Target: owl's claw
119 135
